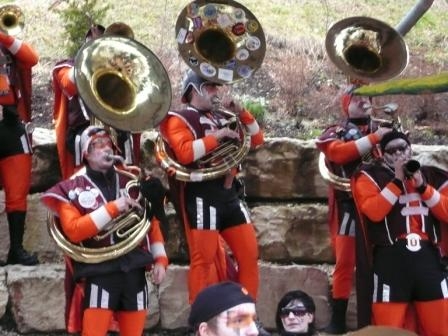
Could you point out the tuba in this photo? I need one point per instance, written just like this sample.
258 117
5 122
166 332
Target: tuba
12 20
369 50
223 42
104 67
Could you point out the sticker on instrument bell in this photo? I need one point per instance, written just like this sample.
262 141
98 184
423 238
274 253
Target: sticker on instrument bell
244 71
193 9
242 54
239 29
253 43
252 26
224 20
189 38
87 199
193 61
413 242
210 11
239 14
181 35
225 74
197 22
207 69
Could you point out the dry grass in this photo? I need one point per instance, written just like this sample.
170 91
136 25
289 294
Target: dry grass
296 79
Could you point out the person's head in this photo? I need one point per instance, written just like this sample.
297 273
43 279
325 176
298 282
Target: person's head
198 91
96 148
119 29
94 31
395 146
223 309
355 107
295 314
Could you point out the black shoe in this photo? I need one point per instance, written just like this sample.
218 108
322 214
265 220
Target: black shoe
22 257
261 331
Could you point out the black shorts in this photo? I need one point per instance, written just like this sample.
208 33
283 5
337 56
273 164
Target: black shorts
120 291
401 275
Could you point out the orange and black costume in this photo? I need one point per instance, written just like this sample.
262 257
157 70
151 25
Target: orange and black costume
16 61
211 211
84 205
401 228
344 146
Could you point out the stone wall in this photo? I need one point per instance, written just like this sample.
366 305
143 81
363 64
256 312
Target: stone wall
287 199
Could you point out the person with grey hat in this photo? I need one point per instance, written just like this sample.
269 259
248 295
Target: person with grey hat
212 209
403 205
223 309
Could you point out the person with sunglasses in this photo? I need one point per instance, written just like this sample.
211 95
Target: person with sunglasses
295 314
86 205
345 145
223 309
403 206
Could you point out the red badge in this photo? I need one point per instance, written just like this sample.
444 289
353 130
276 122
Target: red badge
238 29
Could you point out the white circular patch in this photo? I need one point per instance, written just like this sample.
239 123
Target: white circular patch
87 199
413 242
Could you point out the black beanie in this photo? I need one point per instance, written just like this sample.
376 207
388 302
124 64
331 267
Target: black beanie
388 137
215 299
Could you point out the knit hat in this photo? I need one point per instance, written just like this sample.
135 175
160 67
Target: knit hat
192 81
89 134
215 299
388 137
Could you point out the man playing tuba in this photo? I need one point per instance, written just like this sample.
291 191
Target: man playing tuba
211 208
86 206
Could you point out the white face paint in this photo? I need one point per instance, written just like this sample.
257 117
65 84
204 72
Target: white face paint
397 150
359 107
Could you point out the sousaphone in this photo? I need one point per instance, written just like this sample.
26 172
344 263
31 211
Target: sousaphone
123 83
220 40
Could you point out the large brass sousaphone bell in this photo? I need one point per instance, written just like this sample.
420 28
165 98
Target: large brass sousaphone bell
220 40
12 20
123 83
367 49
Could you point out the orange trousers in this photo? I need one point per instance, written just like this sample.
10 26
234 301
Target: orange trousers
204 246
15 176
96 322
344 247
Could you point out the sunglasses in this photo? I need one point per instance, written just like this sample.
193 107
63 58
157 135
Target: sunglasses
393 150
296 312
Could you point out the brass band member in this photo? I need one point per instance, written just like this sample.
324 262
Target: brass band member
212 208
344 145
403 207
85 205
16 61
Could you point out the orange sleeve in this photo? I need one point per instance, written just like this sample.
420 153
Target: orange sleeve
341 152
180 140
437 201
66 84
257 135
79 227
22 51
157 243
372 202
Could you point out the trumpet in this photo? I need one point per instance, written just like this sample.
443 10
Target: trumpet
12 20
411 167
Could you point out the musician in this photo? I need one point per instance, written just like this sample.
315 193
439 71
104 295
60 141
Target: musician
344 146
72 115
403 207
85 205
16 61
211 209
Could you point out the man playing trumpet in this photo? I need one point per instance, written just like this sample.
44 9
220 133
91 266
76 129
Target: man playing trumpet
403 207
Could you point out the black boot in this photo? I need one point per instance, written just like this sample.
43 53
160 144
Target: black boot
337 323
17 255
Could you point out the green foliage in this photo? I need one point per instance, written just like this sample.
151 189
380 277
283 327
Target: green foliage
257 107
78 16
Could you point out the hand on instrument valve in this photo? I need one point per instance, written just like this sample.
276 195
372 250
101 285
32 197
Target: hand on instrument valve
124 204
225 133
381 131
232 105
